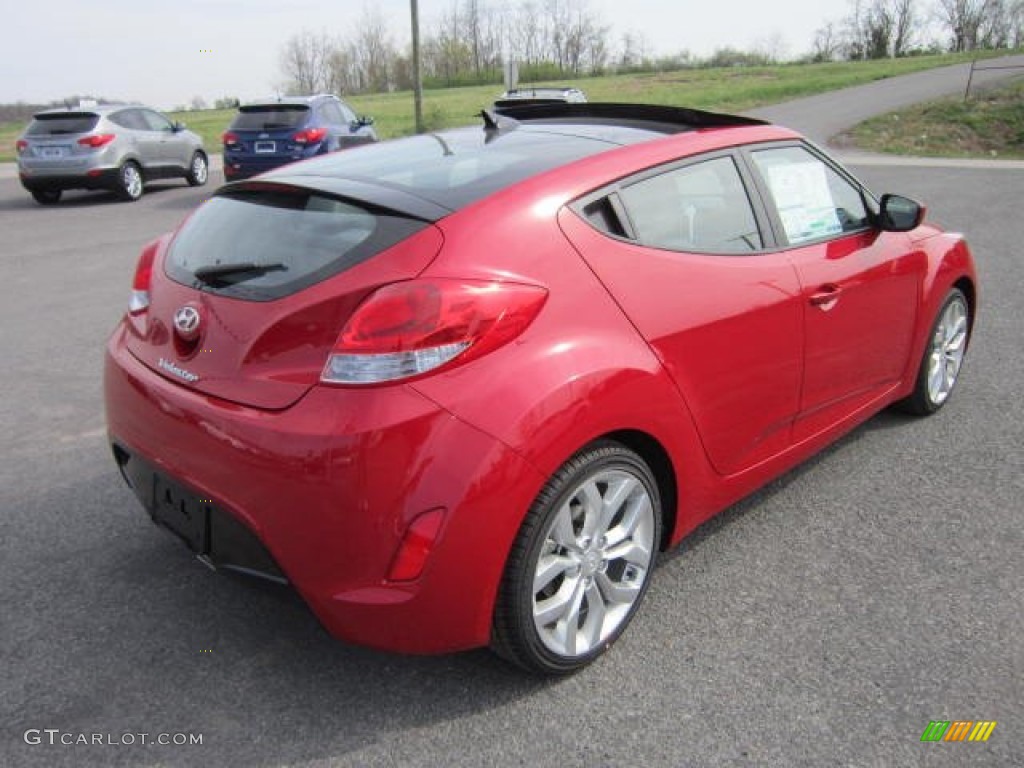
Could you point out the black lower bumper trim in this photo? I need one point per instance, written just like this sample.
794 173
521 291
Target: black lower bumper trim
214 535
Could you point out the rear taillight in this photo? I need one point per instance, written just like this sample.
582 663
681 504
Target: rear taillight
139 301
310 136
97 140
21 145
229 139
407 329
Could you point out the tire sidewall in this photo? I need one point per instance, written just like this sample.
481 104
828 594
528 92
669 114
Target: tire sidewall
123 182
598 458
922 401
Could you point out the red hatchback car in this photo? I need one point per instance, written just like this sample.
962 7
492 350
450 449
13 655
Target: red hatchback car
459 389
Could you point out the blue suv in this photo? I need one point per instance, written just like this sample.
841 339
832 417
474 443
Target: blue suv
267 134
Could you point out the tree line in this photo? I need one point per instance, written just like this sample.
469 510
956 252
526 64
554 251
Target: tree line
469 42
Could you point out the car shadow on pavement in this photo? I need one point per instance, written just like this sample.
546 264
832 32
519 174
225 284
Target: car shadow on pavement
127 632
83 198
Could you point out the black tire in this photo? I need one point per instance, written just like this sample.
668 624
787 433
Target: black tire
943 354
198 170
46 196
591 575
130 181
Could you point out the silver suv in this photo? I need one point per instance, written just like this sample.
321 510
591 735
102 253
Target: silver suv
117 147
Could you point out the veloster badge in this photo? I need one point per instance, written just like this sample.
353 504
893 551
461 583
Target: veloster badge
178 371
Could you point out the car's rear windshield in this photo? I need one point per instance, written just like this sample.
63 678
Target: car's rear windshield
275 117
62 123
268 243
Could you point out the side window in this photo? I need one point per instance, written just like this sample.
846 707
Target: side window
131 119
347 115
155 122
331 112
813 201
701 207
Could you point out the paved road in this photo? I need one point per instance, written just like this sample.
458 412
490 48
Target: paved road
822 117
824 621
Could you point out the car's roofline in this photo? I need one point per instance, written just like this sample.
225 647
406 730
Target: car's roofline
99 109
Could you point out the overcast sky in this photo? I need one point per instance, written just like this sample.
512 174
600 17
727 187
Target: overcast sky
165 52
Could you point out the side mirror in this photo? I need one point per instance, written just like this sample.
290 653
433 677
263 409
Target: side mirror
900 214
179 127
364 120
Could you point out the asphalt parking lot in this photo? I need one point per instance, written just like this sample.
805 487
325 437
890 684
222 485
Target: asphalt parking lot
824 621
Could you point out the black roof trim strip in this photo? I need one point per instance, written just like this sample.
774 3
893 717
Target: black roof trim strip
662 118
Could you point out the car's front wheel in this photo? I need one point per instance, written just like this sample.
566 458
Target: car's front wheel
581 563
130 181
943 356
46 196
198 170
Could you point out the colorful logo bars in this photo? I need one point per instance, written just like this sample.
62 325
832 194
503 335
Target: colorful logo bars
958 730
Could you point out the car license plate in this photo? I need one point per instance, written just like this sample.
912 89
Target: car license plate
266 147
51 151
180 512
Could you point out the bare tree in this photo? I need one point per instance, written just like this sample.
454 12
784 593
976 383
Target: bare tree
904 21
826 43
963 20
305 60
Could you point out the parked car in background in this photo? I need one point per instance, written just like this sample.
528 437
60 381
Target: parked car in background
461 389
116 147
541 95
268 134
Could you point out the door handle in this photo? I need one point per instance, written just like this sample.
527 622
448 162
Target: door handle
826 297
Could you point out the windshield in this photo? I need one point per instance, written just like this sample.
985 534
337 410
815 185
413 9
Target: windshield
269 118
279 240
62 123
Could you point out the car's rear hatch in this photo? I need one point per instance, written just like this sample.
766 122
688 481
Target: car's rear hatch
269 272
270 131
54 136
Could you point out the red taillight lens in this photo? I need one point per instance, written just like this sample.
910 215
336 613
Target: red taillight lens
407 329
139 301
419 539
21 145
229 139
97 140
310 136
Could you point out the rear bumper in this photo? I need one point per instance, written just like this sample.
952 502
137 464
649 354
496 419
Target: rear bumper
329 486
97 178
244 166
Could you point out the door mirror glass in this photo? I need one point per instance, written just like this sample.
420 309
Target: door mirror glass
900 214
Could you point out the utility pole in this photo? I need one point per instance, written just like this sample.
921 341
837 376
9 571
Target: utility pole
417 81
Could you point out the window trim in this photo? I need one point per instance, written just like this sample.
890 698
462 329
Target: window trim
612 192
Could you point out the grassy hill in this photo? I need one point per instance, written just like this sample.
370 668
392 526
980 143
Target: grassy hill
725 89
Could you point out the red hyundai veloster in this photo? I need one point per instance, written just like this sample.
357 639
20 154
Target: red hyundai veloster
459 389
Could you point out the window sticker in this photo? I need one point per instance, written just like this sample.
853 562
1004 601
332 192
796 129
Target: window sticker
804 200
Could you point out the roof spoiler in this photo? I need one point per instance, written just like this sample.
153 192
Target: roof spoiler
673 119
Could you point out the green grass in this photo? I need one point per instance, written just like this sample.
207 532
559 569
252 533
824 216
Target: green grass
726 89
989 124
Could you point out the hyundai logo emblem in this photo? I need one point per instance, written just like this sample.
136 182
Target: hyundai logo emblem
187 321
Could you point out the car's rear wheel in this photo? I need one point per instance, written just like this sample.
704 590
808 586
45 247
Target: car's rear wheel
943 356
46 196
581 563
130 181
198 170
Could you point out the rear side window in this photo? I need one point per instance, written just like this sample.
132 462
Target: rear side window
276 117
701 207
264 244
62 123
